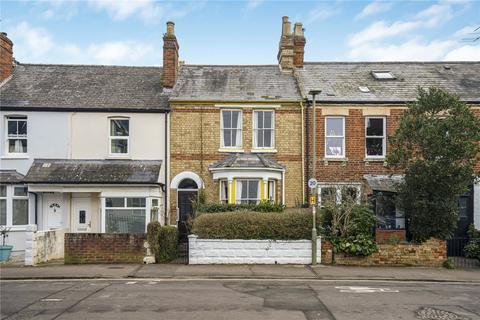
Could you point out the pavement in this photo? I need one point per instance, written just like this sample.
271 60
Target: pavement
179 271
237 299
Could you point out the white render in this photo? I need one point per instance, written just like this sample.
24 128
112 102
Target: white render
43 246
220 251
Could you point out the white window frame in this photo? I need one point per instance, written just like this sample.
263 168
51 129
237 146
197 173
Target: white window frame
238 195
255 130
223 200
384 137
10 197
239 129
147 208
338 191
8 118
111 138
335 136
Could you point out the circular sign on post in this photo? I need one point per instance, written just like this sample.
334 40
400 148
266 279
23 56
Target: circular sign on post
312 183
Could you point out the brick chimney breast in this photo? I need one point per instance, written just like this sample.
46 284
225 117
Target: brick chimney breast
298 45
6 56
170 57
285 48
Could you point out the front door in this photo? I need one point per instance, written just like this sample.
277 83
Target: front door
82 221
185 210
53 206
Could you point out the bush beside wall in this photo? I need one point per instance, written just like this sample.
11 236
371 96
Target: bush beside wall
254 225
162 241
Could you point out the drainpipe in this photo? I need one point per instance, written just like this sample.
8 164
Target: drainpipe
303 156
307 162
165 205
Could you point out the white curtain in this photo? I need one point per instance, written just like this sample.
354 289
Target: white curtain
239 191
238 125
19 147
255 129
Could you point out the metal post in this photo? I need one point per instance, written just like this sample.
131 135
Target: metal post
314 174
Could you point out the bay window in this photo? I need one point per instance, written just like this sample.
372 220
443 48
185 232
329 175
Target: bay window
224 191
125 215
263 129
248 191
16 134
375 139
271 190
119 136
334 137
13 205
231 128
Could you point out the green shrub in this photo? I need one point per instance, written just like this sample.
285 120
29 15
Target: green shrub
263 206
162 241
359 245
153 229
291 225
472 249
167 243
449 263
393 240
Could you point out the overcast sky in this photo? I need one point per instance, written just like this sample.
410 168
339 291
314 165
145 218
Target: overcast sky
238 32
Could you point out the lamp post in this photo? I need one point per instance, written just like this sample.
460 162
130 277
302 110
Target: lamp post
314 93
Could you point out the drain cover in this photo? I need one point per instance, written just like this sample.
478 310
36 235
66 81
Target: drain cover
115 267
437 314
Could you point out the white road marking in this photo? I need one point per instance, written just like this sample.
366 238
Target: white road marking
131 282
153 282
51 300
365 290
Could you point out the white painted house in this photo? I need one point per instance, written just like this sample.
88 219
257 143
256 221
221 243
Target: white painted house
83 148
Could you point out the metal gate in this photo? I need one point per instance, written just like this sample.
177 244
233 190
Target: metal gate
455 250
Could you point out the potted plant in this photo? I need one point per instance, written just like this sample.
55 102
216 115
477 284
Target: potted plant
5 250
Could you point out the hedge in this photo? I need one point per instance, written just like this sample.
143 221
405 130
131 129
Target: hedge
263 206
254 225
163 241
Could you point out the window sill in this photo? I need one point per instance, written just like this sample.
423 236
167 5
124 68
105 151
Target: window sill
374 159
15 156
230 150
269 150
119 157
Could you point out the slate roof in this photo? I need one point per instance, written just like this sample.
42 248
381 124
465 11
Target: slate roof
85 87
383 182
235 83
340 81
94 171
11 177
246 160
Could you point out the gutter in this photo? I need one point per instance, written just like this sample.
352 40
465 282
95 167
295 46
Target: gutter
81 109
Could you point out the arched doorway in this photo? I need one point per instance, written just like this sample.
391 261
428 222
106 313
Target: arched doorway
187 194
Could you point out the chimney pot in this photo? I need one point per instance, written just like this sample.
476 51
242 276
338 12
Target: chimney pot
286 26
298 30
170 28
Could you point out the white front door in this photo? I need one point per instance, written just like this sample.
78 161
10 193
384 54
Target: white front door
82 218
54 209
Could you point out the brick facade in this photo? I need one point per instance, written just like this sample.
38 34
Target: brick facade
6 56
104 248
195 143
384 236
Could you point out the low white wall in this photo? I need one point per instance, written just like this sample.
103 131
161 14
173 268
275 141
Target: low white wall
219 251
43 246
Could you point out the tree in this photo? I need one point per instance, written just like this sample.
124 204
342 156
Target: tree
436 144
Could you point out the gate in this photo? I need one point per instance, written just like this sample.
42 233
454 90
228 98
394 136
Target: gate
455 250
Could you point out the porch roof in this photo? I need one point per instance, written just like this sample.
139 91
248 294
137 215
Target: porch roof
386 182
64 171
11 176
246 160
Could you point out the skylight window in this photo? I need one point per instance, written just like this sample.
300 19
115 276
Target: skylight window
364 89
383 75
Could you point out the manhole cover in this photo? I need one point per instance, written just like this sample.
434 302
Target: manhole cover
437 314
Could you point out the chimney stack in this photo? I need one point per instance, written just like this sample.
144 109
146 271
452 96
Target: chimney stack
6 56
298 45
170 57
285 47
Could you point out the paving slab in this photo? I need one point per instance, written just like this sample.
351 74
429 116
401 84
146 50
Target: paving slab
214 271
282 271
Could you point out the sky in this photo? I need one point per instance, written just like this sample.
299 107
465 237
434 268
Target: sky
239 32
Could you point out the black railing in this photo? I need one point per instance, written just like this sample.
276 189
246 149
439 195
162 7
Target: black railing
456 251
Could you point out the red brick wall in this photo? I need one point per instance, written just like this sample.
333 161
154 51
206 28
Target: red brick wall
104 248
383 236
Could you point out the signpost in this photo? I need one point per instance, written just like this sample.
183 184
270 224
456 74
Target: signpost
312 184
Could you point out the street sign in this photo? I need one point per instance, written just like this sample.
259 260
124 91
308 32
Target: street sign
312 200
312 183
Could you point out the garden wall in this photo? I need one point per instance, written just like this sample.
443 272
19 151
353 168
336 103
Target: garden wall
431 253
43 246
104 248
220 251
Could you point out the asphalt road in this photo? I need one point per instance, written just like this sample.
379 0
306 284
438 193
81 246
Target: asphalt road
237 299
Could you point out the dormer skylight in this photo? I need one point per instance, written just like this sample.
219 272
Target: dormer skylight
383 75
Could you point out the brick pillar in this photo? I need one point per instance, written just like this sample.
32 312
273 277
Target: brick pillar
6 56
285 47
298 45
170 57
